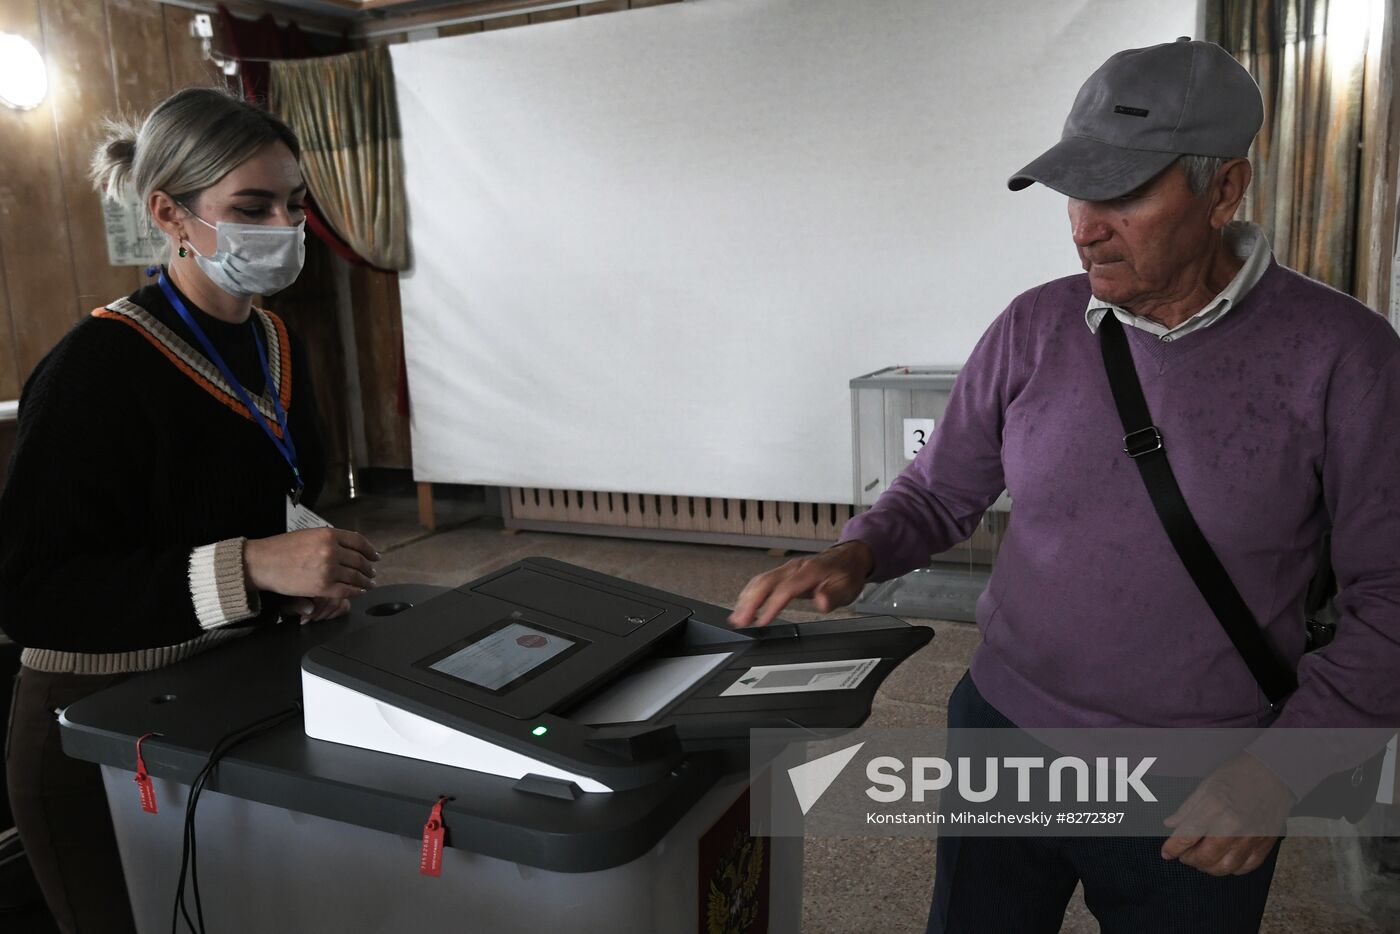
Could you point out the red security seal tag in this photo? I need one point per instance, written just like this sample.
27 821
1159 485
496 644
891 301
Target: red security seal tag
430 859
143 779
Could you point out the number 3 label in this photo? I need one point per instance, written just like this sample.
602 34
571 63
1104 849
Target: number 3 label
917 431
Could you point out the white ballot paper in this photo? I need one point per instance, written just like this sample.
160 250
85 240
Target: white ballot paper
809 676
646 689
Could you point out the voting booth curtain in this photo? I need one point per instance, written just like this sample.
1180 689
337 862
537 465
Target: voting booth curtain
1309 58
342 108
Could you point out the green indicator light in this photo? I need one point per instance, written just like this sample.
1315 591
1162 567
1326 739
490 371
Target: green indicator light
540 730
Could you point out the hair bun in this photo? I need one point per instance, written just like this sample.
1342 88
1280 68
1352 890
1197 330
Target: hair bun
121 149
113 159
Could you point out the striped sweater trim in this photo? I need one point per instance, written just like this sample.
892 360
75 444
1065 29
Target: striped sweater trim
197 366
219 586
86 663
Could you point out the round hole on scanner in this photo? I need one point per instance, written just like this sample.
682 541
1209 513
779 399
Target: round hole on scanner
387 609
162 698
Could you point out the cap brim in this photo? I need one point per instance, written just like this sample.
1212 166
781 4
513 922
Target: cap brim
1090 170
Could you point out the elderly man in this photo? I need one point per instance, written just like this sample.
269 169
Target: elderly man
1276 399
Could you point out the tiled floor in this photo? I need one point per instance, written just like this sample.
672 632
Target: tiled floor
853 885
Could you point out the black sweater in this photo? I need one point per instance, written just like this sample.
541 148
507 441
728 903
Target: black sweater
122 466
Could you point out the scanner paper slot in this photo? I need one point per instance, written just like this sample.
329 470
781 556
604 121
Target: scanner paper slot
644 690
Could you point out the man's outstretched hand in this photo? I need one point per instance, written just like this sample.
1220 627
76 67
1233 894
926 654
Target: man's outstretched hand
831 579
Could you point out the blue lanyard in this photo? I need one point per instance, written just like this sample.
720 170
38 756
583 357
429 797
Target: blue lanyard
284 444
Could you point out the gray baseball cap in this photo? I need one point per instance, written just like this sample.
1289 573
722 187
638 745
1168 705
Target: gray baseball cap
1141 110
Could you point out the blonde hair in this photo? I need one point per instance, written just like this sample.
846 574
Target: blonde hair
188 142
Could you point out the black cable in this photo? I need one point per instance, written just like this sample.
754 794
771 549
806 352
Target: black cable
189 863
189 856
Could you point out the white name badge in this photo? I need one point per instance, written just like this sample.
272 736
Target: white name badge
299 517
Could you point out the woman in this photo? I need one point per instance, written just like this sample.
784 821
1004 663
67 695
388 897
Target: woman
167 446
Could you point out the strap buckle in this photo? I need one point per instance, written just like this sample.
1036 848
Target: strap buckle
1143 441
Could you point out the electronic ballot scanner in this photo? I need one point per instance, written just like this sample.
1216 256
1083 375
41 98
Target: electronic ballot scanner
530 750
573 682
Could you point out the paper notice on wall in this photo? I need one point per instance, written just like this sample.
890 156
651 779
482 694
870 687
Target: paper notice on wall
133 239
811 676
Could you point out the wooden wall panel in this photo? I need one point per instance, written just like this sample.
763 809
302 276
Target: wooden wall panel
83 94
551 16
459 29
9 366
140 65
602 6
406 22
188 66
141 73
378 345
506 22
37 259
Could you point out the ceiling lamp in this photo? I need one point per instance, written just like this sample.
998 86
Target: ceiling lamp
23 81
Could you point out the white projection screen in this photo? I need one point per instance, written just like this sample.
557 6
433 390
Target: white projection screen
651 248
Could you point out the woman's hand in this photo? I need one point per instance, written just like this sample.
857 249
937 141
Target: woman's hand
331 564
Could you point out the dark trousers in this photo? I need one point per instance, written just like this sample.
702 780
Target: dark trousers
991 885
61 811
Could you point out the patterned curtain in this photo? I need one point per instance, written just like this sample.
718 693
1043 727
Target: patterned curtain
343 109
1306 158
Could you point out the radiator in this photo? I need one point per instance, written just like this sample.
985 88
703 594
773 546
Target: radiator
744 522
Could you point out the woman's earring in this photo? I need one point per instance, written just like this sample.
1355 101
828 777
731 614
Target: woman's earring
183 252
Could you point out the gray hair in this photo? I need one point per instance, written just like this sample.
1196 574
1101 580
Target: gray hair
1200 170
190 140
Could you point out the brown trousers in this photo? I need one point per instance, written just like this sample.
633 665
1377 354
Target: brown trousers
61 810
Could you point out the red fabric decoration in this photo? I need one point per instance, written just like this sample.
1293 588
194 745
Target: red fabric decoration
264 39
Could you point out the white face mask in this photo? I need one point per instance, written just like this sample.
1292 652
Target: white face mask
253 259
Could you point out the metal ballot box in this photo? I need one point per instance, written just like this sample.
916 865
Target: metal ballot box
894 413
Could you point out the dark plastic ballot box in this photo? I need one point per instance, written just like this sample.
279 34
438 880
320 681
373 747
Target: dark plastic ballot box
298 833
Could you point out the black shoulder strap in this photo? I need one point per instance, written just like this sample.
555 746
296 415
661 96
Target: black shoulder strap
1143 442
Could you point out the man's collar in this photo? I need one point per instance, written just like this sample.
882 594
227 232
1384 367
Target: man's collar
1247 241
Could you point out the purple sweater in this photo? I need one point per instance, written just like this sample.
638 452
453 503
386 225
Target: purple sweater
1281 419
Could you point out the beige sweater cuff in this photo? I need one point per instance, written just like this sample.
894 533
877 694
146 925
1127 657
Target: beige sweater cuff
219 584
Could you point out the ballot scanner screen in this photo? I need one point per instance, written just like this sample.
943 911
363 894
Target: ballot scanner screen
505 655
